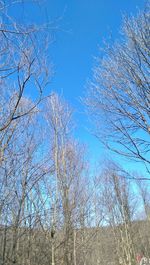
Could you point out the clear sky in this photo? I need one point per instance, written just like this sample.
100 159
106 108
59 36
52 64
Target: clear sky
82 27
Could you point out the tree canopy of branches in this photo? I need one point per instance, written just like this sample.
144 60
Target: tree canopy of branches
22 67
119 96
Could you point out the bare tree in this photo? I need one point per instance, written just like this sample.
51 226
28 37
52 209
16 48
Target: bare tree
119 205
144 194
23 67
119 95
22 172
23 72
68 157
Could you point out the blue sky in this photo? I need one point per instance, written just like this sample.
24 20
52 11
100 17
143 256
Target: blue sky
82 27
